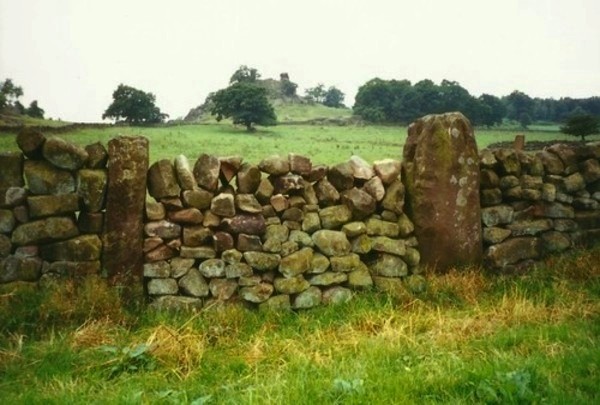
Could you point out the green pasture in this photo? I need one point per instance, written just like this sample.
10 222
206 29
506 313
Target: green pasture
325 144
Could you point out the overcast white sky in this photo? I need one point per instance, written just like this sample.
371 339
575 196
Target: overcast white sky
71 54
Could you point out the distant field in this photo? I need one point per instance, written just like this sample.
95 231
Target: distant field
324 144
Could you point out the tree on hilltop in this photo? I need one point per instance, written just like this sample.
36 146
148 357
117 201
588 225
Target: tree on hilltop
9 93
245 103
34 110
581 125
315 94
244 74
134 107
333 98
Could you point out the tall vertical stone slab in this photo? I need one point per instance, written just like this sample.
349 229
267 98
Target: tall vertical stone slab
126 193
440 171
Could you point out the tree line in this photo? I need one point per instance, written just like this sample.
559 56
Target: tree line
9 101
246 102
400 101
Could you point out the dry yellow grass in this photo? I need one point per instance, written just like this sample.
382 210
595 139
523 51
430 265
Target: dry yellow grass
179 350
94 333
421 325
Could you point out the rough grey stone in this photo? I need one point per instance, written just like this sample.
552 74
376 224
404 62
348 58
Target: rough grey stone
162 286
501 214
194 284
345 263
382 228
335 216
159 269
44 230
308 299
389 266
63 154
331 243
175 303
292 285
162 180
297 263
513 250
212 268
222 289
262 261
336 296
43 178
328 278
260 293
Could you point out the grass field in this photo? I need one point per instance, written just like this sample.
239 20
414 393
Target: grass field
470 338
324 144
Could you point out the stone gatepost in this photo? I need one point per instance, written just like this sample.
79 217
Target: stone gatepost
125 199
440 170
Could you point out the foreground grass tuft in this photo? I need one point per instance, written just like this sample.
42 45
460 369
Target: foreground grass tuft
469 337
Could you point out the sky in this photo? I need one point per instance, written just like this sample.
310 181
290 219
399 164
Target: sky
71 55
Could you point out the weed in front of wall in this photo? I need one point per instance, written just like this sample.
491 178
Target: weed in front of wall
128 359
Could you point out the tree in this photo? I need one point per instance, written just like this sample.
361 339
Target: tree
246 104
518 104
524 120
581 125
244 74
492 111
315 94
34 110
9 93
134 107
333 97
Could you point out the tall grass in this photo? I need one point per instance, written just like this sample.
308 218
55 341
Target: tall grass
469 337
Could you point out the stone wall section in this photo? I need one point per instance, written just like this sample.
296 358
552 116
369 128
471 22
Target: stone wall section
283 233
52 197
538 203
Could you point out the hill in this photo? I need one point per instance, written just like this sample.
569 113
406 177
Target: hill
288 108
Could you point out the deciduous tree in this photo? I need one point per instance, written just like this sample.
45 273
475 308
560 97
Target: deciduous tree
134 106
315 94
34 110
9 93
245 103
581 125
333 97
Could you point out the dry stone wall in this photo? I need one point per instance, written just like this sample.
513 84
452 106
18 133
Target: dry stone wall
283 233
538 203
52 197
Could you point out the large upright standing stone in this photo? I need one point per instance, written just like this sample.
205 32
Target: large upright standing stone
126 193
440 170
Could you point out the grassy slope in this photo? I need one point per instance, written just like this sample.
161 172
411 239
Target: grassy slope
18 120
469 338
303 112
324 144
